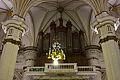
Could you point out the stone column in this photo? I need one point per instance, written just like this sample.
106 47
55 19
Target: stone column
14 29
93 52
30 53
104 23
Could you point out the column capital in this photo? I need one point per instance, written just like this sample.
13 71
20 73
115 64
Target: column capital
104 24
17 23
102 19
108 38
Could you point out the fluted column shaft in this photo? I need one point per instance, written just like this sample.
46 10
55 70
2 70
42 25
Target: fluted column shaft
104 23
14 28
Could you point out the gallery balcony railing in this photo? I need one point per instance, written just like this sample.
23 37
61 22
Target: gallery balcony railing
65 67
62 68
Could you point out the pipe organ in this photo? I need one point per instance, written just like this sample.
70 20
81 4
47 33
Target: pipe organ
69 39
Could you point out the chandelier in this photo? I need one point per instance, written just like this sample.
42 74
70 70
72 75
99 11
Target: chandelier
56 53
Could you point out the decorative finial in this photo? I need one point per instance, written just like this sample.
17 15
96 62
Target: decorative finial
69 24
52 24
61 21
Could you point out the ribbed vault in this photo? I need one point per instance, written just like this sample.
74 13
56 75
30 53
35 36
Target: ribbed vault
39 13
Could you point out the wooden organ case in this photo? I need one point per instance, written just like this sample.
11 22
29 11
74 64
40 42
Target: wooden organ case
72 42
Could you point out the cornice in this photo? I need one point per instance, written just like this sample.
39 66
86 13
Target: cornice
12 41
29 48
92 47
108 38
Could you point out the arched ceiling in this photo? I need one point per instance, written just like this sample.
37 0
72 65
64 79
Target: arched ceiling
77 11
39 17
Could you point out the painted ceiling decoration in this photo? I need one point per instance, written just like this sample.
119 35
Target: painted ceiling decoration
39 14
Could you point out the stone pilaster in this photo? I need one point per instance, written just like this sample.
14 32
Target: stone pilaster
30 53
104 23
93 52
14 29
